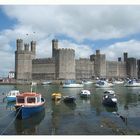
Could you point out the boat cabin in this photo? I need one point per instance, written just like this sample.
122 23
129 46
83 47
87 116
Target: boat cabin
13 93
28 98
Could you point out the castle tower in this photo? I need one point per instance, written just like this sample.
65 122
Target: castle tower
138 63
125 56
65 64
33 49
23 61
54 47
19 44
131 67
100 64
119 59
26 47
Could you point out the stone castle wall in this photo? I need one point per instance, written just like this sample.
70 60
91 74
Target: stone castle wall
63 65
84 68
115 69
43 69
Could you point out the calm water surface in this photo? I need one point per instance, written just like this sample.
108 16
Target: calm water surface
86 117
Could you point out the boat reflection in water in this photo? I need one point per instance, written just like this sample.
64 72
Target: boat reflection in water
111 109
60 111
71 106
29 126
10 106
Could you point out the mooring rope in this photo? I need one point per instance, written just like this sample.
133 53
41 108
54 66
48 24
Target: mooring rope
11 121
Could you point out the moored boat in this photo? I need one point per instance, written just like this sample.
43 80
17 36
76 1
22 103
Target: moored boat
84 93
28 103
56 96
118 82
103 84
46 82
69 99
34 83
109 99
109 92
73 85
132 83
11 96
87 82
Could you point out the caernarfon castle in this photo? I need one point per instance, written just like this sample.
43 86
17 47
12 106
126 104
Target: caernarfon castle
63 65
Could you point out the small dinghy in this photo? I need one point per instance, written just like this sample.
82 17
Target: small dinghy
85 93
69 99
11 96
56 96
109 92
109 98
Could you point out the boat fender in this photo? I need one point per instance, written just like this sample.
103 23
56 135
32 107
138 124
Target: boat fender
106 96
114 99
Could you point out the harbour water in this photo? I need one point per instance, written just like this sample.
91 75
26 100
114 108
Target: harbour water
86 117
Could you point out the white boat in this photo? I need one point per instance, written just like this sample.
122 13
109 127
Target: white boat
34 83
132 83
85 93
72 85
46 82
87 82
118 82
103 84
11 96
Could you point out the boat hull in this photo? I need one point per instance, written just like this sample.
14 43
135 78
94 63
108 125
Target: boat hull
84 95
73 86
69 100
103 86
109 102
133 85
24 112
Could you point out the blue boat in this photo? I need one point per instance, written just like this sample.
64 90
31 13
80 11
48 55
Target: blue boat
28 104
11 96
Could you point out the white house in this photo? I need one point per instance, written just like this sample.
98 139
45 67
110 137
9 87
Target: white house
11 75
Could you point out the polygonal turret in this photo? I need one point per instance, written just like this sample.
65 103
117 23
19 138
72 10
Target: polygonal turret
19 44
54 47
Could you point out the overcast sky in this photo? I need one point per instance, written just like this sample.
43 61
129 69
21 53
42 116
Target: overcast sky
112 29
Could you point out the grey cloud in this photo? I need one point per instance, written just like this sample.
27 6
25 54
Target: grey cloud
80 22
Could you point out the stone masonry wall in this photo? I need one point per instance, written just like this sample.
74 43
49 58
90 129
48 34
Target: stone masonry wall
65 64
43 69
84 68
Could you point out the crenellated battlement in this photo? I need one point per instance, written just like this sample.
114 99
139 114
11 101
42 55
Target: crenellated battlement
26 47
65 50
43 61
